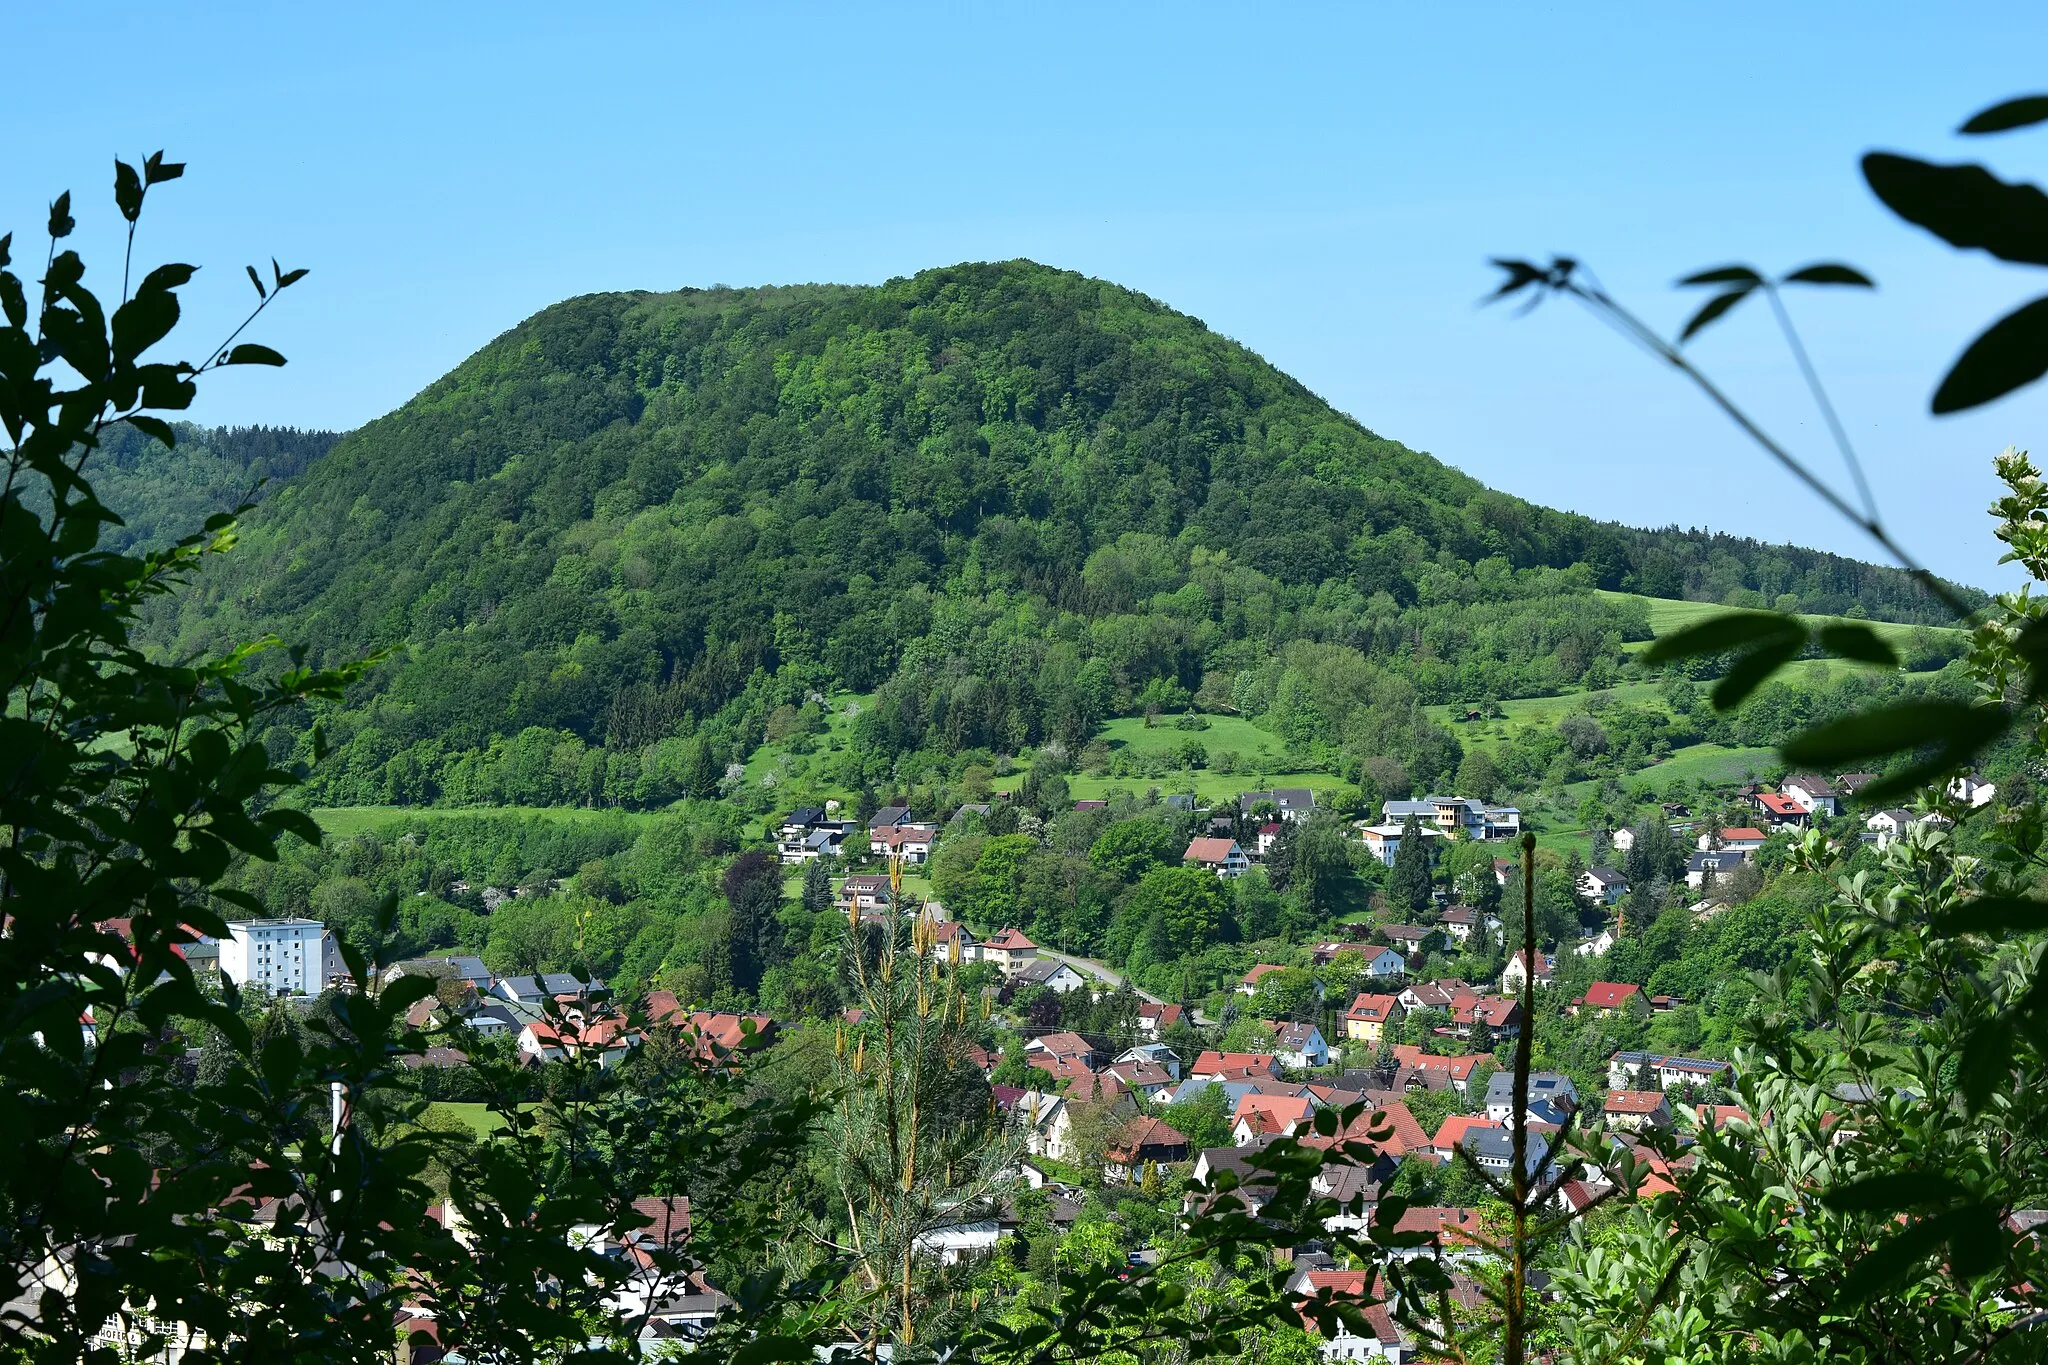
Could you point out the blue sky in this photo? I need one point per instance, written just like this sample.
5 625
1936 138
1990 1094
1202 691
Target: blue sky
1324 185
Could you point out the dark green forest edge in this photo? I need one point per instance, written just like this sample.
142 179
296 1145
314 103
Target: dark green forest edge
1008 501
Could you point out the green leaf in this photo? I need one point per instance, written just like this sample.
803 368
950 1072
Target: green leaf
249 353
1830 272
1752 670
1720 634
1965 206
1712 310
2007 115
1893 1192
1890 1261
153 426
1994 915
257 280
293 822
1861 643
1986 1062
127 190
1726 274
156 170
2010 353
1953 725
61 221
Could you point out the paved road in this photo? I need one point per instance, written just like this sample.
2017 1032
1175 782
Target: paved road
1102 971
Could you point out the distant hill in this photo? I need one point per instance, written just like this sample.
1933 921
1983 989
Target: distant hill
638 532
163 493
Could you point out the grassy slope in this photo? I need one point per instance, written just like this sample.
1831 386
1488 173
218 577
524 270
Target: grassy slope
796 774
1668 615
345 822
1262 760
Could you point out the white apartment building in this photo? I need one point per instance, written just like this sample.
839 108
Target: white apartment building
274 956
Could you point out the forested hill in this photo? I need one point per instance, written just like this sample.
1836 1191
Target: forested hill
1009 500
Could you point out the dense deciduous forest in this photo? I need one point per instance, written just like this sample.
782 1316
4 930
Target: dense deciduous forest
1009 500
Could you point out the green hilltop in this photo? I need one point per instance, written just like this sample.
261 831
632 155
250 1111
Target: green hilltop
640 533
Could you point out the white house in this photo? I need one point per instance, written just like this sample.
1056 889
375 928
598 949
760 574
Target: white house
1221 856
1635 1070
275 956
910 842
1159 1054
1622 839
969 1239
1299 1046
1010 950
1291 803
1815 794
1516 973
1381 961
1050 973
1384 841
1047 1126
1596 947
1602 885
1888 825
1457 815
1973 789
1740 839
1701 866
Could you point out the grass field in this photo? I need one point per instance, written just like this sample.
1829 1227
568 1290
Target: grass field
1206 785
479 1117
1226 734
1667 615
1536 712
345 822
801 774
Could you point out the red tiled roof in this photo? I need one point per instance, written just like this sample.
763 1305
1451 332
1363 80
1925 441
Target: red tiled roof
1372 1008
1205 850
1453 1130
1407 1136
1258 973
1777 804
1634 1101
1743 832
1235 1065
1009 940
1607 995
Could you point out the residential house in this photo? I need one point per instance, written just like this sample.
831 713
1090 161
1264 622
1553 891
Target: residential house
1438 1073
1299 1046
269 957
1269 835
1974 789
494 1021
608 1039
1063 1046
1048 1128
1155 1019
1220 856
1552 1097
1010 950
889 815
1457 816
1782 811
1384 841
1745 839
1445 993
1248 984
1516 974
1597 946
1091 805
1407 938
472 972
1622 840
1813 792
1640 1070
1602 885
1143 1140
953 941
971 1238
1235 1066
1887 825
1700 866
1257 1115
1452 1133
1382 1338
1631 1111
1367 1019
1290 803
867 891
1143 1077
530 990
1459 921
1604 998
1493 1149
1382 961
1848 784
1159 1054
910 842
1050 973
1498 1014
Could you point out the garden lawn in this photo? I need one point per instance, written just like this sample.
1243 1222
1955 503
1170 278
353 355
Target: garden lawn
1667 615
